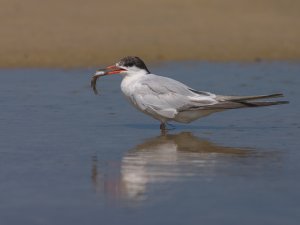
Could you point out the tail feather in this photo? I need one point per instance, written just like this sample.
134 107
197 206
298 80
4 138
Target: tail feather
247 98
258 104
241 104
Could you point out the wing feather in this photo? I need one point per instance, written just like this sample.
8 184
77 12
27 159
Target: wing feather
166 97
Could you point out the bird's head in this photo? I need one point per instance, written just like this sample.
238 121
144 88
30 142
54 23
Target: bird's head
129 65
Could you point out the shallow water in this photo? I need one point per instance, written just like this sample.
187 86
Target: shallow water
70 157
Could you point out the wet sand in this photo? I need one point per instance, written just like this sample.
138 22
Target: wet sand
90 33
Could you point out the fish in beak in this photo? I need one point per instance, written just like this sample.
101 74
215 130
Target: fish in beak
104 72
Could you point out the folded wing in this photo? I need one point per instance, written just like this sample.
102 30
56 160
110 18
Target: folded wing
166 97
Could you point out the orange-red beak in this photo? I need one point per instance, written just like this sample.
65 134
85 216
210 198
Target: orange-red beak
114 69
109 70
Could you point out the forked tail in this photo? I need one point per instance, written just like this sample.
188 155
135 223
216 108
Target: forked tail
247 98
234 102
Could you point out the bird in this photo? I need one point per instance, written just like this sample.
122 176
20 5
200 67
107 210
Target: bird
166 99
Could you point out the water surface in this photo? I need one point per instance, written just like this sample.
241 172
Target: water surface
70 157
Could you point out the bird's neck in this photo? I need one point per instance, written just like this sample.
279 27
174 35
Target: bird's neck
130 79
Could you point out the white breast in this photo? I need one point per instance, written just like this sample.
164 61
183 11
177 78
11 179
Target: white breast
128 85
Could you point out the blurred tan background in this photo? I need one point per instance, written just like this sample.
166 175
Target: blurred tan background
77 33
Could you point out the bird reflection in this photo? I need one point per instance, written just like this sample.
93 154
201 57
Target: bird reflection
166 158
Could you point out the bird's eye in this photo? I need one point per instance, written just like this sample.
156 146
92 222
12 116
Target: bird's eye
129 64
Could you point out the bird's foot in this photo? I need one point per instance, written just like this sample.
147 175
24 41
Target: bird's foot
164 129
162 126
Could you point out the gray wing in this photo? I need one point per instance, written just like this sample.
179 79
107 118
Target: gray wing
166 97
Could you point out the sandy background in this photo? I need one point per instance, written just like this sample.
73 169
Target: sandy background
76 33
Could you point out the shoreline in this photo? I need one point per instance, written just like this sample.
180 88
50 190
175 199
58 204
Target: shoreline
154 63
60 61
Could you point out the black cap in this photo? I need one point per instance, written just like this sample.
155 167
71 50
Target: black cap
130 61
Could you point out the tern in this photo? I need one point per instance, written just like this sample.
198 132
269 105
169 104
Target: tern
166 99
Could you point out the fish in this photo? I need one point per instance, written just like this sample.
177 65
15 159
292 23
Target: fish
95 78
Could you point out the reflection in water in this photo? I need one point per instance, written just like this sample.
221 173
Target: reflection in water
166 158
